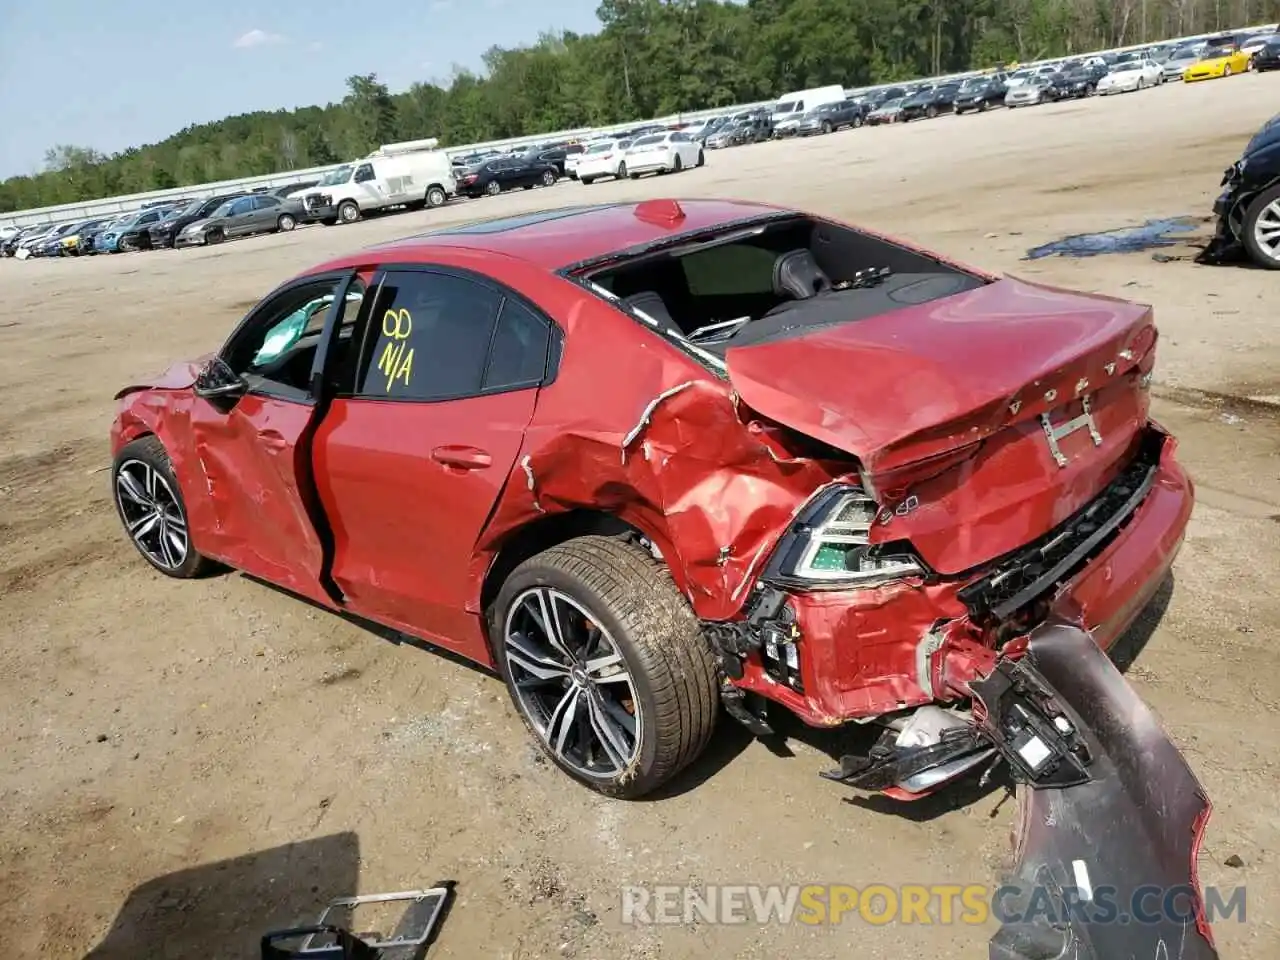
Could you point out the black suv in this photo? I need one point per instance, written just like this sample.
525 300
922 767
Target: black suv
832 116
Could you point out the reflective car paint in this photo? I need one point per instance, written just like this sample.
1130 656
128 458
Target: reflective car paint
710 471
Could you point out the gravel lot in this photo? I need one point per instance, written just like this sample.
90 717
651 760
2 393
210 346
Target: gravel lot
190 763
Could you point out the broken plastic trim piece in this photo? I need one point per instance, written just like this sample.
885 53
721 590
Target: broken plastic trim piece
423 910
1097 848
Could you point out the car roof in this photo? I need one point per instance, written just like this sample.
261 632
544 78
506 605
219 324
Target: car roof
558 238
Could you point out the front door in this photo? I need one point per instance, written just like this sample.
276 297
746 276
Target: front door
254 449
411 456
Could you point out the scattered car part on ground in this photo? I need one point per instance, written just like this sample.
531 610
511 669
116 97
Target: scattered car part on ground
573 557
1152 234
1248 209
1107 802
415 929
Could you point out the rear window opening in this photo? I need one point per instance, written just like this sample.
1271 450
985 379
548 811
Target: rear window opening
756 283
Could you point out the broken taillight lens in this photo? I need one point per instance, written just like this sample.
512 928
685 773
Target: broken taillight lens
830 544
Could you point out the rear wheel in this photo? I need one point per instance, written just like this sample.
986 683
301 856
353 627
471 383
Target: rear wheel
548 178
606 664
436 197
494 188
622 170
149 503
586 181
286 223
1261 229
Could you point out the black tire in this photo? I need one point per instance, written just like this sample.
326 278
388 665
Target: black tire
826 126
436 197
286 223
1226 70
548 178
214 236
669 663
1256 253
678 165
330 221
984 106
857 122
127 245
622 170
348 211
931 111
586 181
150 452
493 188
702 157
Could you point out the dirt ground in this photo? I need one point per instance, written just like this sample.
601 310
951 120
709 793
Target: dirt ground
197 762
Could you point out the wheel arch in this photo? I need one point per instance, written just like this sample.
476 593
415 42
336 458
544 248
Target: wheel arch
546 532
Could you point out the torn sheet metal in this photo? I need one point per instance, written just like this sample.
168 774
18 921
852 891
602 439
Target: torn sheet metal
712 491
1135 825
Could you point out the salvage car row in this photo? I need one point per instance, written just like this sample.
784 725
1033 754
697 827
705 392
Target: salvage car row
416 174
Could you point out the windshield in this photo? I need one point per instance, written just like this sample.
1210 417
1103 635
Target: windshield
893 104
600 147
648 141
1126 67
335 177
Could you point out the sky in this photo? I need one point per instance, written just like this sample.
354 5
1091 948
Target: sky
128 72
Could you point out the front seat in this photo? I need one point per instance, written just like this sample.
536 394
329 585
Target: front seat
651 305
796 274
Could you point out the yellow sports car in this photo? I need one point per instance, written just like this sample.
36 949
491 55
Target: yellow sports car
1217 62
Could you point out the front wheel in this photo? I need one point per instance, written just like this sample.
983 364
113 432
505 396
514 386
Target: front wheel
149 503
702 158
678 165
984 106
1260 229
857 122
826 127
214 236
1226 71
606 664
348 211
931 112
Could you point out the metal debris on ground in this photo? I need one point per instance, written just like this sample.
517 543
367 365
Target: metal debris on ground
333 936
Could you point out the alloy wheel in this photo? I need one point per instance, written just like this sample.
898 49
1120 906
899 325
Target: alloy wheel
571 682
1266 230
152 514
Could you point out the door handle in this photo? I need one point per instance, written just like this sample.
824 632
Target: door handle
464 458
272 439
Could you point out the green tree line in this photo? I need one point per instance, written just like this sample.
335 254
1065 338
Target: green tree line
650 58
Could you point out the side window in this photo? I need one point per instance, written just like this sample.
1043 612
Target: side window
728 270
242 206
427 337
265 203
279 343
519 355
364 173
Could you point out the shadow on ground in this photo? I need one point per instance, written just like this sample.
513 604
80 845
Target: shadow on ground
221 910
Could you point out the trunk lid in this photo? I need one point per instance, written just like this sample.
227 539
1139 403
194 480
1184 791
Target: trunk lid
942 404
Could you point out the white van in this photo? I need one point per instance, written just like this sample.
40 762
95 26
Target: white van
792 106
413 174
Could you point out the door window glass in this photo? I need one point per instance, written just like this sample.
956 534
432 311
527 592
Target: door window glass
427 337
519 357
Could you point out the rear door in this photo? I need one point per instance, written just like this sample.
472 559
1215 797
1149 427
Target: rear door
420 440
266 210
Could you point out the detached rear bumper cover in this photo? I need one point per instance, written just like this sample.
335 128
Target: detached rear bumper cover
1094 847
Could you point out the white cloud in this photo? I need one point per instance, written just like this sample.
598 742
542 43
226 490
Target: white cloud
315 46
257 38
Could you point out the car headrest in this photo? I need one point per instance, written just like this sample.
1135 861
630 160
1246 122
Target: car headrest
651 305
797 274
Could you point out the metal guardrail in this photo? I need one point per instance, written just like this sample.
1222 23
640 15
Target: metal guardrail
126 204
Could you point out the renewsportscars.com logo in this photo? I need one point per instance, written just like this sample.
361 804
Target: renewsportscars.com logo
941 904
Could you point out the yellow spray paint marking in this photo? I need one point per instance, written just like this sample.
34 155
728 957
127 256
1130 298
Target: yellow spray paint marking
396 362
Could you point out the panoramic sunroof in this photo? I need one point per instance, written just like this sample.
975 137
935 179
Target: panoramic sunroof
503 224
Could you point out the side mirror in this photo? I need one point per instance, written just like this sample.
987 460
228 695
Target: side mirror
218 381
